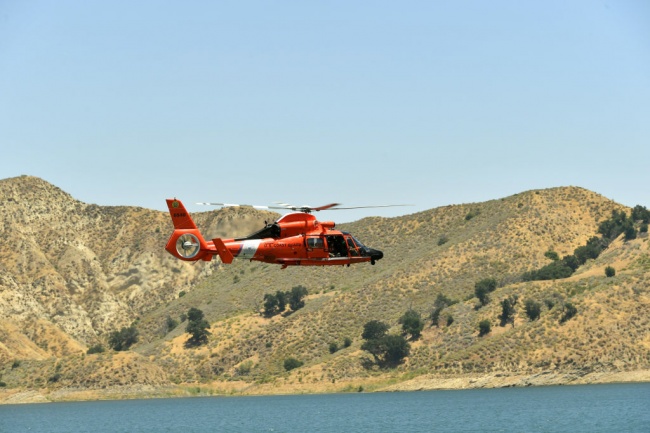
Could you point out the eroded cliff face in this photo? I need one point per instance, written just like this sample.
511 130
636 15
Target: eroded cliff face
81 268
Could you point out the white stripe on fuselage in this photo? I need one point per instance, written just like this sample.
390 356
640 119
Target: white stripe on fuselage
249 248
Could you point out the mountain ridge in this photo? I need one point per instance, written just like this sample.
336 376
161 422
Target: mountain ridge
86 270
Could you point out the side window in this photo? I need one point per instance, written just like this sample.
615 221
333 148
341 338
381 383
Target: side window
336 246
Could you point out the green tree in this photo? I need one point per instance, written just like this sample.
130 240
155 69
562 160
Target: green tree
374 330
484 328
640 213
347 342
197 327
396 348
281 300
271 305
440 304
507 311
483 287
533 309
334 347
412 324
610 271
123 339
388 350
296 297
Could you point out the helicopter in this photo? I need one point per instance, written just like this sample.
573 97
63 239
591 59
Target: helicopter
295 239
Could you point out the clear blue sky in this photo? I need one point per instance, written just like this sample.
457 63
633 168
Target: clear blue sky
358 102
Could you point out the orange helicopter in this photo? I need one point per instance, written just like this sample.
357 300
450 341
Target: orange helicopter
296 239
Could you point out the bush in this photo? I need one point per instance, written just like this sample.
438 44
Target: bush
533 309
98 348
334 348
170 324
292 363
347 342
610 271
484 328
569 311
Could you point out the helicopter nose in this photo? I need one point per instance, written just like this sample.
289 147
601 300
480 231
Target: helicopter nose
375 255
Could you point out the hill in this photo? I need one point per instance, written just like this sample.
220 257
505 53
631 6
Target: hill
73 272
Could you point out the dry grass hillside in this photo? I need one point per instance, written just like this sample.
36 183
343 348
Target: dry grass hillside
72 272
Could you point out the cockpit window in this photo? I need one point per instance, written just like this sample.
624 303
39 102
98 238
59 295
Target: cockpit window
315 243
359 244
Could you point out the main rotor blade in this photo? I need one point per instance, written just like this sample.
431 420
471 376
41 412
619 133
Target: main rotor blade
370 207
236 205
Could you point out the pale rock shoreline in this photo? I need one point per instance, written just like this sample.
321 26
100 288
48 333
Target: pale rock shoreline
420 383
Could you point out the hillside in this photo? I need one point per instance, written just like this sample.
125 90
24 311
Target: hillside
70 273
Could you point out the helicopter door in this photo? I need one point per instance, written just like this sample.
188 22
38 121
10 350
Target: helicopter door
316 246
354 251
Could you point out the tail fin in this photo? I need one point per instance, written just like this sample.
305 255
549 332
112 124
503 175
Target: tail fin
186 242
180 217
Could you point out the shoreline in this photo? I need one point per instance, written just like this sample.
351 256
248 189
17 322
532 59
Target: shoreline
427 382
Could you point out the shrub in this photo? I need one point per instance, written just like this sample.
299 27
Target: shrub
533 309
170 324
334 348
292 363
98 348
347 342
569 311
610 271
443 240
484 328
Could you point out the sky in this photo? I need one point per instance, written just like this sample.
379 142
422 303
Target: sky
429 103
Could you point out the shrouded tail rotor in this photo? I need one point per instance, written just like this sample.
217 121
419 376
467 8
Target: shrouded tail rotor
188 245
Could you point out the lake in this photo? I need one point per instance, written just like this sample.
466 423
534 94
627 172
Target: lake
591 408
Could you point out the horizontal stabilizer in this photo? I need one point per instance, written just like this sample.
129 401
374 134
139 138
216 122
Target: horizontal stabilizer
224 253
